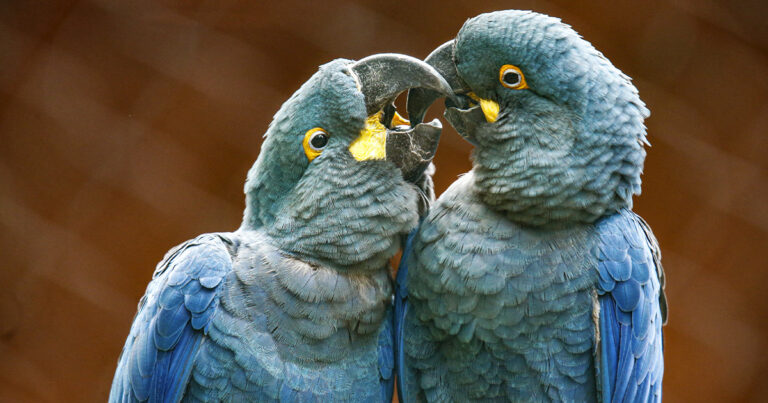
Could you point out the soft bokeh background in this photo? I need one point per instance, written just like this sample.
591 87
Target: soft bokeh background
128 126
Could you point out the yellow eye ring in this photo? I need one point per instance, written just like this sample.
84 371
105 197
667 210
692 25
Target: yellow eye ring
511 77
314 142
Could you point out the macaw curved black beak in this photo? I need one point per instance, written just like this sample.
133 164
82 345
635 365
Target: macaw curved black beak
381 78
420 99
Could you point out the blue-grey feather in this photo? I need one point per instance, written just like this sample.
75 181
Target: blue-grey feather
620 270
641 270
199 301
627 294
202 320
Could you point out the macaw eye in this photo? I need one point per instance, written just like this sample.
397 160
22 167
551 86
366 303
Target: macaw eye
511 77
314 141
318 141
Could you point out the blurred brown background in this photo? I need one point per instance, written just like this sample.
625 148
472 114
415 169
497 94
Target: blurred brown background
128 126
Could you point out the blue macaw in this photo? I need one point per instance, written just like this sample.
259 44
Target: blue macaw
295 304
531 279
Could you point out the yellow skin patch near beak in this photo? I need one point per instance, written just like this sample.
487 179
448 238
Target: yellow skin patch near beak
371 144
490 108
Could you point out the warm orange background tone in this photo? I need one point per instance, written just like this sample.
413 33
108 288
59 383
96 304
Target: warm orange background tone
128 127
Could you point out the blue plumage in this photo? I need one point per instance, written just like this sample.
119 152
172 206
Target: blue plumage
630 313
386 355
530 279
158 356
295 305
400 313
525 334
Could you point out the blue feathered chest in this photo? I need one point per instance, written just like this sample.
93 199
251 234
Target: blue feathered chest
229 317
513 306
290 331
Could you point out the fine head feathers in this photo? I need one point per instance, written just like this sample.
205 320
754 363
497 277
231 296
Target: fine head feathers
328 208
568 142
329 99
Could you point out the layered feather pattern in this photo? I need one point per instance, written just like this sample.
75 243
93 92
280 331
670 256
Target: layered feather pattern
531 279
632 310
174 316
495 310
228 317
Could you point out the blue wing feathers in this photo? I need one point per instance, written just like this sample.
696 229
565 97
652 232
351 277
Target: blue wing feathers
199 301
170 298
386 358
210 281
401 309
624 370
168 383
619 270
181 299
632 309
641 272
627 295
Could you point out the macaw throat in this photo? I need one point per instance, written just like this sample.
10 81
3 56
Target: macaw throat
371 144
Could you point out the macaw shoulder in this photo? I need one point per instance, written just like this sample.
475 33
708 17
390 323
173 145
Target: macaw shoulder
189 277
173 315
208 255
629 259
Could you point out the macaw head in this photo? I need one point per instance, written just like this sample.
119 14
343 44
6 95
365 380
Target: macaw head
558 129
335 181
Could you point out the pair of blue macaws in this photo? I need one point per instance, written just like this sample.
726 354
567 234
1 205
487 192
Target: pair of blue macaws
529 279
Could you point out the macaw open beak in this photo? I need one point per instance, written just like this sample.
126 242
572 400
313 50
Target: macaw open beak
464 100
386 135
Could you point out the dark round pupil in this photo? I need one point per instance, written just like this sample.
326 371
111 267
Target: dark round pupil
511 78
318 140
